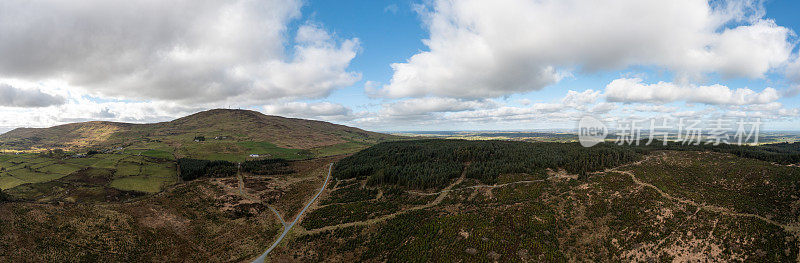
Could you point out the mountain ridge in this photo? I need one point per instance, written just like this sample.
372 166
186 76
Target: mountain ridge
236 125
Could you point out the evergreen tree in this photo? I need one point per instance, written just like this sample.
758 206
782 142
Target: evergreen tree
4 197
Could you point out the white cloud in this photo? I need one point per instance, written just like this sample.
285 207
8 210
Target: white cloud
772 106
480 49
579 100
27 98
145 61
689 113
505 114
773 110
85 109
633 90
749 51
764 116
792 91
793 74
391 9
653 108
789 112
428 105
184 50
438 110
524 102
604 107
793 69
453 111
315 110
311 33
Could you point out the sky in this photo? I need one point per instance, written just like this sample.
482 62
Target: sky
401 65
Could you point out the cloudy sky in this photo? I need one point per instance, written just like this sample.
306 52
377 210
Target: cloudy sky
400 65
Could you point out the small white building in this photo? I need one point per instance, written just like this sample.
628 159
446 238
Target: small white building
254 155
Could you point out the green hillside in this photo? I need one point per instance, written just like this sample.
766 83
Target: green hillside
214 134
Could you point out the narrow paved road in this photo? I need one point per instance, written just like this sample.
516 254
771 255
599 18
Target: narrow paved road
283 223
297 218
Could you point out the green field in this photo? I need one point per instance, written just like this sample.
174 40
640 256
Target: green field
7 181
143 174
128 167
30 176
97 160
339 149
146 184
159 170
57 168
146 166
269 150
214 150
151 153
151 149
131 172
240 151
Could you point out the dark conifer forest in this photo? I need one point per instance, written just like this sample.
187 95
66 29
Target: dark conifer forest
433 163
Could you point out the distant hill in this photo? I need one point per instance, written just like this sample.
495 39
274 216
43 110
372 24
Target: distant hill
224 131
67 136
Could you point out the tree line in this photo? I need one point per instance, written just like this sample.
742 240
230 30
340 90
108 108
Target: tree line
4 197
267 166
433 163
782 153
191 169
